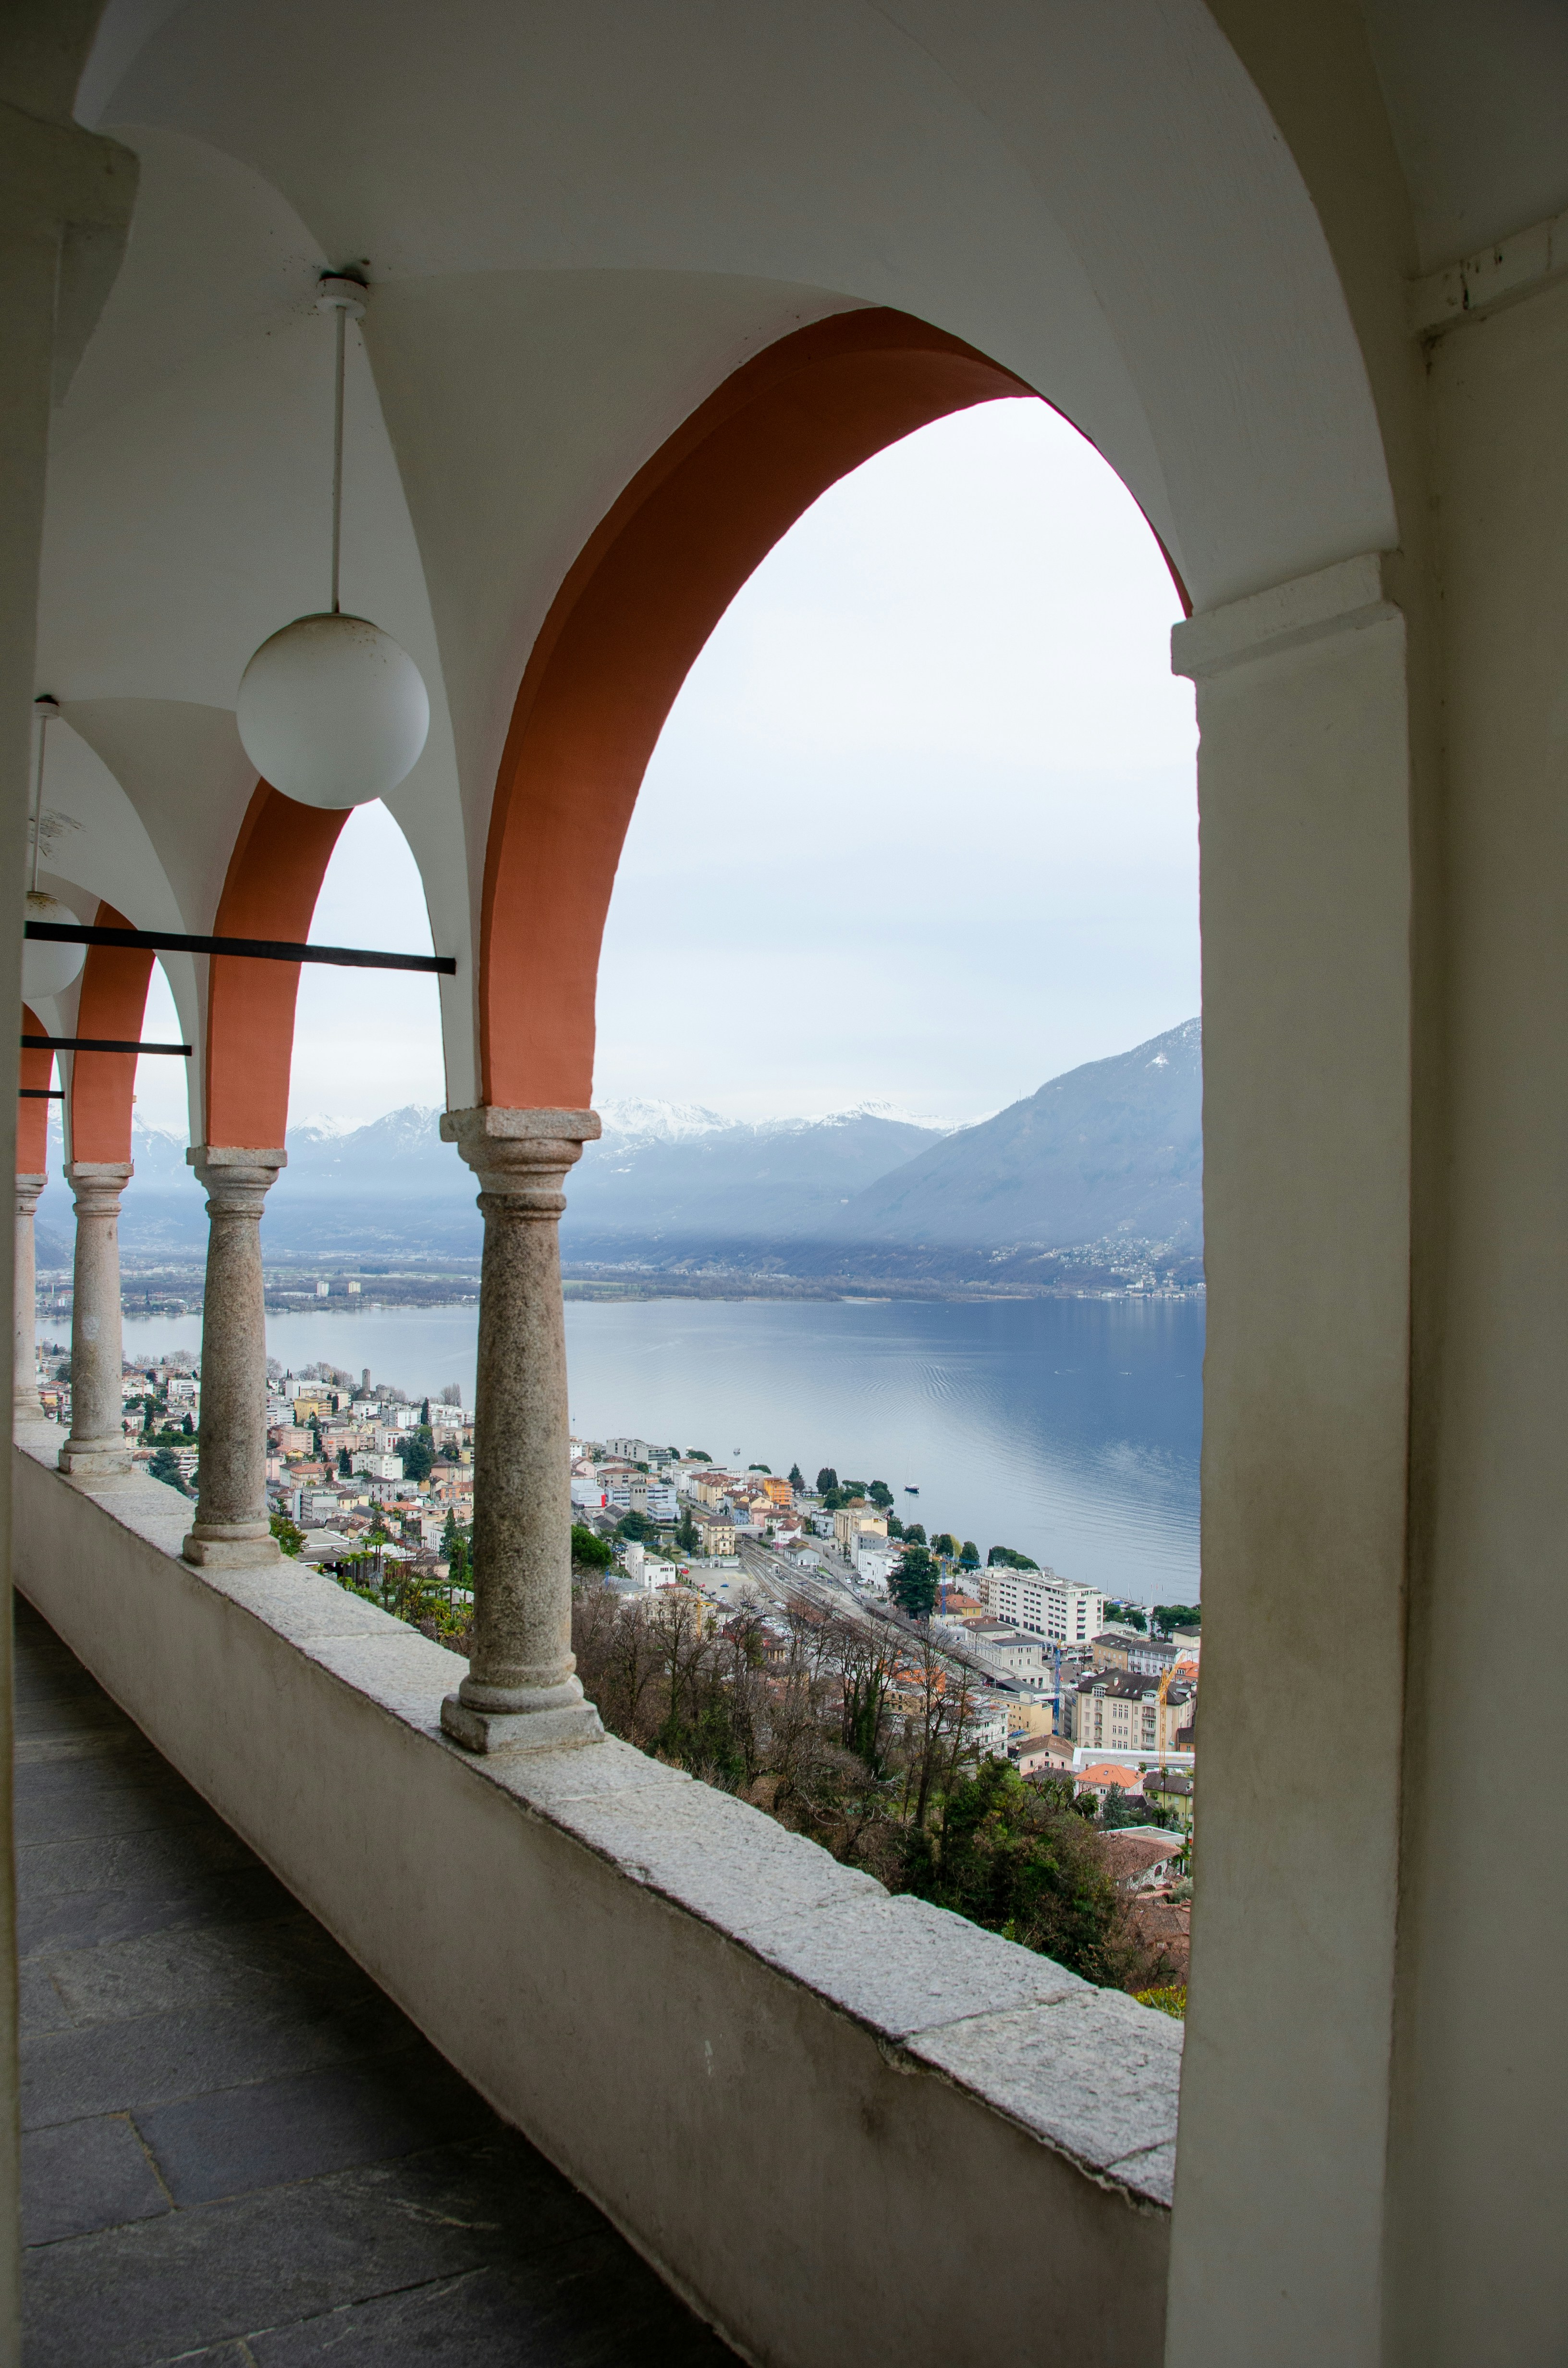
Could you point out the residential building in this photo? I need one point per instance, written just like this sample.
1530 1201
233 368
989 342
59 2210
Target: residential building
377 1464
1062 1611
1005 1649
853 1521
717 1530
1141 1856
1122 1711
1040 1755
1128 1648
985 1723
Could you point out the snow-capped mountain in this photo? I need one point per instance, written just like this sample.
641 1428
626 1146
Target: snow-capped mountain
1112 1149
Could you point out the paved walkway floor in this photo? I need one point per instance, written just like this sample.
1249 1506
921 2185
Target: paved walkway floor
237 2150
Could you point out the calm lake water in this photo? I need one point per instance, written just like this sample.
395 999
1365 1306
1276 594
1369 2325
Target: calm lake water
1066 1429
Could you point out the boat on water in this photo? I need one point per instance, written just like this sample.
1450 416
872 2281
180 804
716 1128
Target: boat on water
909 1491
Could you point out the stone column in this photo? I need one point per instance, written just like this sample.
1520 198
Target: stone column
521 1688
95 1449
28 1406
231 1529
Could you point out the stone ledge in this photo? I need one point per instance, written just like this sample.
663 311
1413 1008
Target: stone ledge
835 2017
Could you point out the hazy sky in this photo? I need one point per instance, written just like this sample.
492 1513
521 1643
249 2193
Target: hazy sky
921 827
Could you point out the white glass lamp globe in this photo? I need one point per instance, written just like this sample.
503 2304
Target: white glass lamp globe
332 711
49 969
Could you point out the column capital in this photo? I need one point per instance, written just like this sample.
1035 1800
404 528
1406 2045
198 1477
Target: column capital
27 1190
517 1153
98 1183
235 1180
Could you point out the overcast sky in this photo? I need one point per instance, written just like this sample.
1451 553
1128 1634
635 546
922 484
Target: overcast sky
921 827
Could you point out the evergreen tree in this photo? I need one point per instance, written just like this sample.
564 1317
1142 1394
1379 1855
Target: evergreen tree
970 1557
797 1478
827 1478
914 1584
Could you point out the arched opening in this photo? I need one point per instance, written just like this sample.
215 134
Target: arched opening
624 629
270 891
115 982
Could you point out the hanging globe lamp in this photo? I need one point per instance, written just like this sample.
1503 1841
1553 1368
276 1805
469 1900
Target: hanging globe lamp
331 709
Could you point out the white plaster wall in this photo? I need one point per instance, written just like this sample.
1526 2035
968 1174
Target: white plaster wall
1478 2266
847 2128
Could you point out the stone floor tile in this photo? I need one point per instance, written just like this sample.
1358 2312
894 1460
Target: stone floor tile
585 2312
132 2066
131 1861
215 2272
82 1919
39 2006
72 1800
263 1963
328 2119
86 2176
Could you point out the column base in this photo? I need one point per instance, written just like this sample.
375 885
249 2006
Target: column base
88 1461
563 1728
231 1554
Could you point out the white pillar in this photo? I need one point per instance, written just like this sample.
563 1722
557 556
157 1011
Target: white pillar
521 1687
1304 806
28 1406
230 1529
96 1448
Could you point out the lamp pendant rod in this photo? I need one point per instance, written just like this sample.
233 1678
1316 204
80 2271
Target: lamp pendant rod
338 328
37 798
45 707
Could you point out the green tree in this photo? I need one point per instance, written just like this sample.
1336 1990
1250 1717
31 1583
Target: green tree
945 1544
970 1557
1011 1857
915 1534
164 1466
637 1528
589 1550
289 1536
827 1478
419 1453
1007 1559
345 1464
698 1455
425 1415
914 1584
688 1537
895 1526
881 1495
761 1467
797 1477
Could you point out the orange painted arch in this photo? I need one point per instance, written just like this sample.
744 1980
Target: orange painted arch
36 1070
623 633
273 878
103 1085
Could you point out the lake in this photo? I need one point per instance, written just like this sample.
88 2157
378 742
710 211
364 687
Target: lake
1066 1429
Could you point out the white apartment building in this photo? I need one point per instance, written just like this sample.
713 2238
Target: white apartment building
1062 1611
377 1465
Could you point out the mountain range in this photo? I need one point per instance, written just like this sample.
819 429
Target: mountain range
1110 1152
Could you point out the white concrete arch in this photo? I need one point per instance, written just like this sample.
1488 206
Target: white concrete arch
578 220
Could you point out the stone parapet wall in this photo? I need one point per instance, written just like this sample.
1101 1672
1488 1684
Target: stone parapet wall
839 2123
